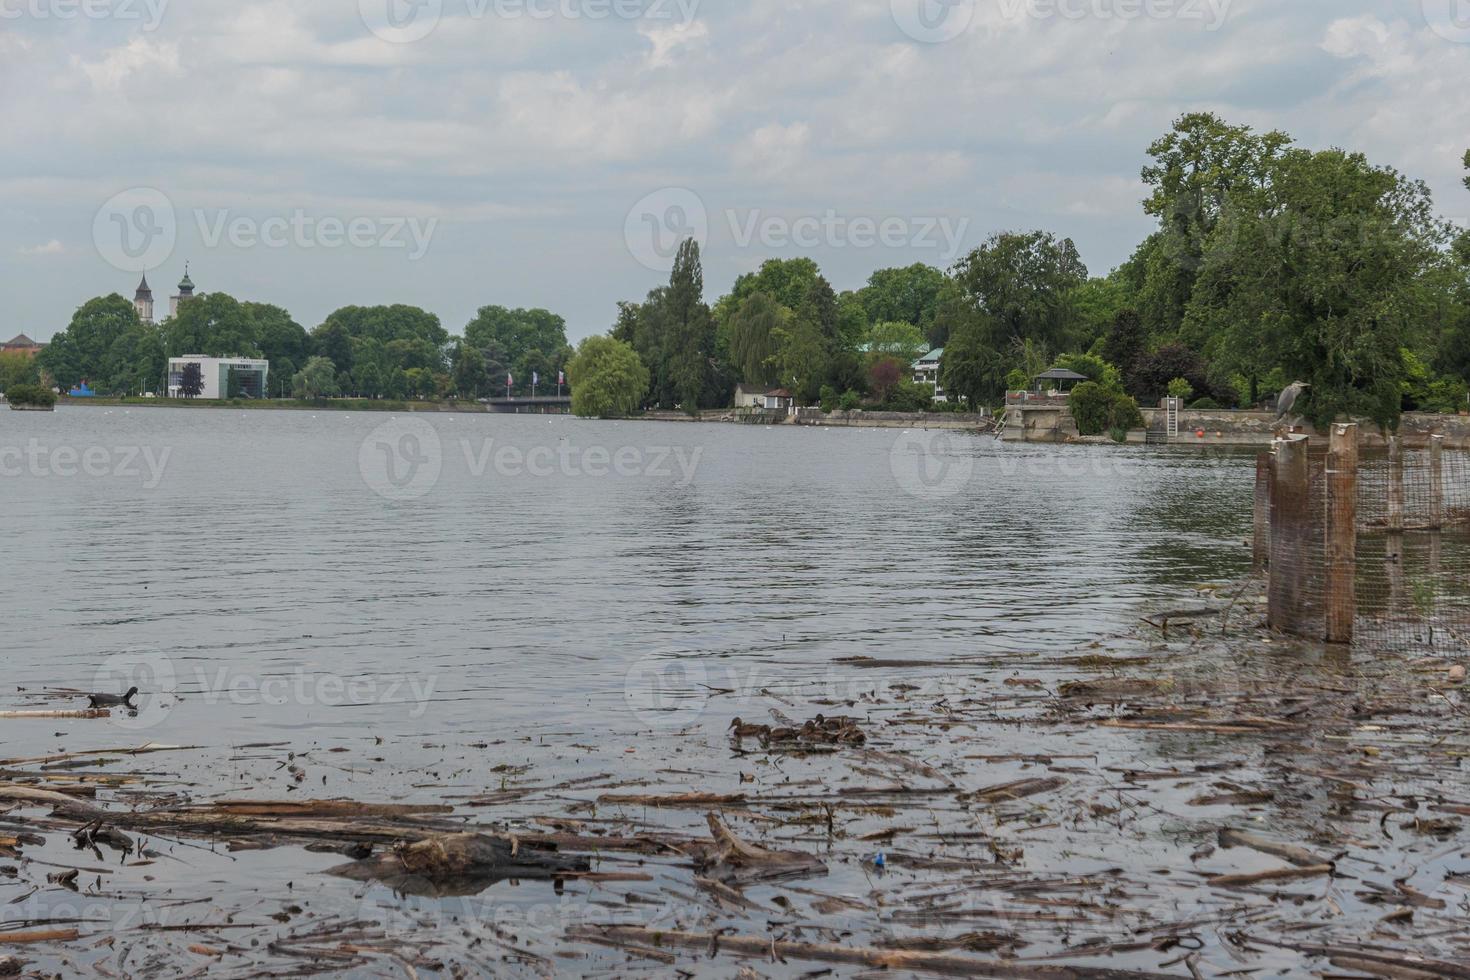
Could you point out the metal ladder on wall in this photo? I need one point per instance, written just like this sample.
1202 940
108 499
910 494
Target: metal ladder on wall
1163 435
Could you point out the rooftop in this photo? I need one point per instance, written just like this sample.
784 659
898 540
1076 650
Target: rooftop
1061 374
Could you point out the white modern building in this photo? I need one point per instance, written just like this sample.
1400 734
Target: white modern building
926 372
250 376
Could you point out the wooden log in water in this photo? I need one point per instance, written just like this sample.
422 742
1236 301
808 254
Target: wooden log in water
885 959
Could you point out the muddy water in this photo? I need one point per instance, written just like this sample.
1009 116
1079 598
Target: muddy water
442 608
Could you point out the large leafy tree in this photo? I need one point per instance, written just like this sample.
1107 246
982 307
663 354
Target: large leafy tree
608 379
908 295
83 351
523 343
753 331
216 325
674 332
1023 283
972 368
896 338
1196 168
18 368
1322 272
318 379
280 339
394 339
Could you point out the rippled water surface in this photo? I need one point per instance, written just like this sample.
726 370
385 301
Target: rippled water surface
271 570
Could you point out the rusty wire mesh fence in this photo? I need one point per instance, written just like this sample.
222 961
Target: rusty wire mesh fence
1373 549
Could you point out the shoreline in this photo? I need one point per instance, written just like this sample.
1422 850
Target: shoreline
1213 429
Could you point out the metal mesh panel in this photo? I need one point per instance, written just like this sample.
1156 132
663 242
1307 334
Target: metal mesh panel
1412 589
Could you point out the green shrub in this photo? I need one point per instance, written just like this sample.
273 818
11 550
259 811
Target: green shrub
1205 405
1118 435
1097 410
1181 389
909 396
1091 407
31 395
1125 414
850 400
829 399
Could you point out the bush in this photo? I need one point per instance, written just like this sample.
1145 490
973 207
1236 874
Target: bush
31 395
829 399
1205 405
1097 410
1181 389
850 400
909 396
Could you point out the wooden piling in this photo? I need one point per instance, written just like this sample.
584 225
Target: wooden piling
1342 533
1436 483
1261 544
1291 519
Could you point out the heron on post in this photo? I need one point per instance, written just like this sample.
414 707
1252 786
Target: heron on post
1287 400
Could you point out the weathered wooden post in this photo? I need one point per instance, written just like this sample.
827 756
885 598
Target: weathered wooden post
1342 533
1261 545
1394 544
1290 534
1436 483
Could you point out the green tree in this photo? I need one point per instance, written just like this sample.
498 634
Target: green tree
280 339
753 330
83 350
523 342
895 338
1323 274
608 379
909 295
1197 167
216 325
973 369
1024 283
471 377
318 379
678 328
17 368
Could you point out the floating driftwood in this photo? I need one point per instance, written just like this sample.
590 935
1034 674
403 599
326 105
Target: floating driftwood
459 864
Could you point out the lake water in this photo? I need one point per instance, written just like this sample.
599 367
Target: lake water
289 574
515 614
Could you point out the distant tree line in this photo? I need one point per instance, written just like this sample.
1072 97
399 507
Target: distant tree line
1270 263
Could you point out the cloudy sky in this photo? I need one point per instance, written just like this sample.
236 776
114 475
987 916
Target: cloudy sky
457 153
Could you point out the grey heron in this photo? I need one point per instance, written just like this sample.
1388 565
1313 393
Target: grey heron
1288 398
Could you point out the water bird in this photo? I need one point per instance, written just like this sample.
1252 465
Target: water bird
1288 398
113 701
739 729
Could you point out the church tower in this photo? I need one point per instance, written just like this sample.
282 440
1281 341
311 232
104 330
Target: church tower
186 293
143 301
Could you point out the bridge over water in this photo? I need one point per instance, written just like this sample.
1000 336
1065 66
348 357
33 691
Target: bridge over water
546 405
